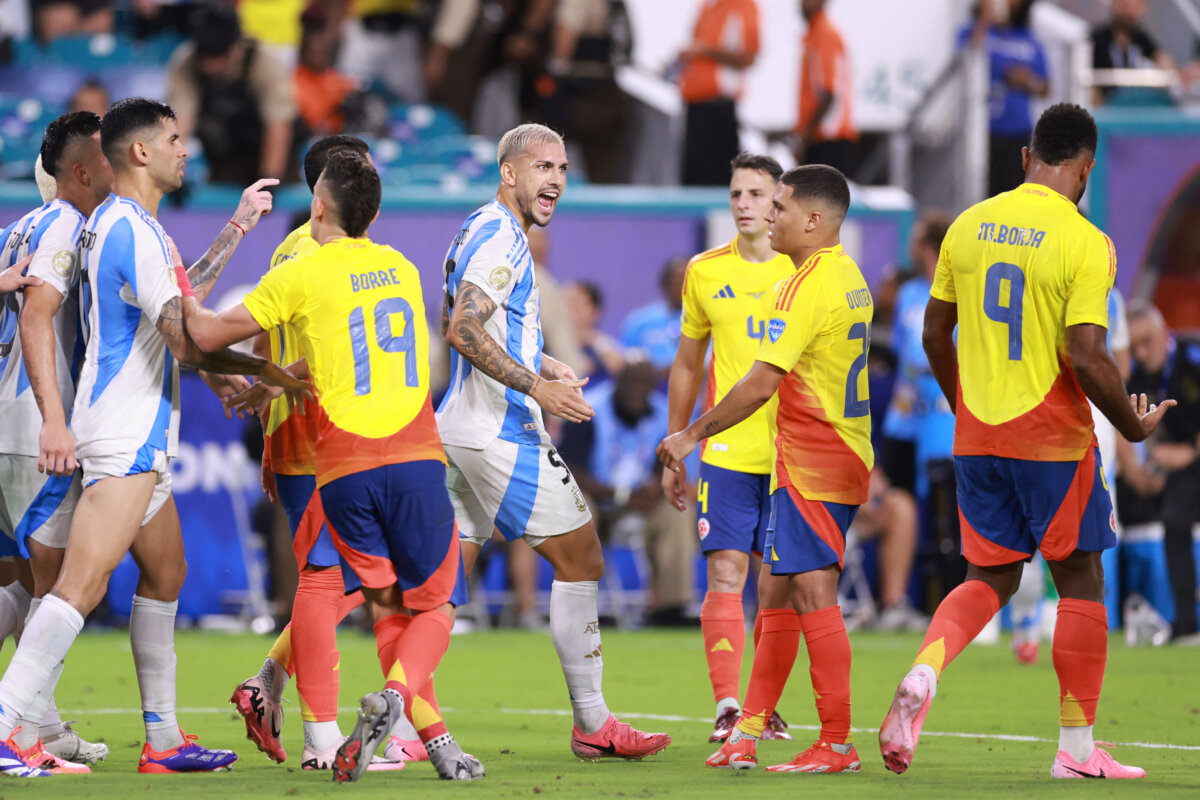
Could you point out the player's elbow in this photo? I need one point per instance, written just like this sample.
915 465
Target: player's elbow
204 338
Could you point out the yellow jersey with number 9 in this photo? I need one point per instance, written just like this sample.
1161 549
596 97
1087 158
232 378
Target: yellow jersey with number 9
358 314
819 332
729 298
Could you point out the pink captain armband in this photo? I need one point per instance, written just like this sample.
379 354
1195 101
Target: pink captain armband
185 285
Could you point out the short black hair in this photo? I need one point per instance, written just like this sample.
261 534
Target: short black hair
214 28
320 150
127 117
61 134
819 182
354 188
1063 132
757 163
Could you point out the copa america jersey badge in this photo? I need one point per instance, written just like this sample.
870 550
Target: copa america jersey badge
775 329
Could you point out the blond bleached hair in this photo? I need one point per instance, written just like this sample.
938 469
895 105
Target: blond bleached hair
521 138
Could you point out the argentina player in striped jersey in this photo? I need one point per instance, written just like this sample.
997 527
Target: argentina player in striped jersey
502 470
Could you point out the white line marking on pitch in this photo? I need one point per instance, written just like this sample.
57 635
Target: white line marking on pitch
562 712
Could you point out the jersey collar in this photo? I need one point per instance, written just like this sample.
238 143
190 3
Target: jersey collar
835 251
1041 190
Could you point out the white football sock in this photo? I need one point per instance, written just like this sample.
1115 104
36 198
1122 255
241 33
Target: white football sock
930 676
1026 605
152 638
14 608
1077 741
403 729
727 703
52 723
36 665
575 630
32 719
274 677
321 736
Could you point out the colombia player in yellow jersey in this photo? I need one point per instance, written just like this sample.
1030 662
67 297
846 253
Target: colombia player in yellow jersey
357 313
727 294
1026 280
814 355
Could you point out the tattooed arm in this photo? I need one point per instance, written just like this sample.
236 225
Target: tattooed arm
255 202
465 333
746 397
56 447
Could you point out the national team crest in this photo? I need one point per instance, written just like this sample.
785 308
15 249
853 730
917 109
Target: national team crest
704 528
775 329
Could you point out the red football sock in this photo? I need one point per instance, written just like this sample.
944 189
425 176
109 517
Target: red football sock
829 667
314 642
423 711
1080 650
773 660
757 627
723 625
410 656
958 620
349 603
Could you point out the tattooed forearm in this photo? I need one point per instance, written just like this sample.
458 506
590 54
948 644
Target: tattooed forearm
190 356
445 314
227 362
466 335
204 273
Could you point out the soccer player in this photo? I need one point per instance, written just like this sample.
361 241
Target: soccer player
39 486
1025 278
502 469
123 422
308 645
814 355
727 295
381 471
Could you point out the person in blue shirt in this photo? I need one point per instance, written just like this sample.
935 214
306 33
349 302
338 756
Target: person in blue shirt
1017 69
654 328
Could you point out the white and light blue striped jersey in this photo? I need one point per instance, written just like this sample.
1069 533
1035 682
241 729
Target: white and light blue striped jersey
51 232
491 251
127 404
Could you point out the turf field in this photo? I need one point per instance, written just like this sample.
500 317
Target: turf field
504 699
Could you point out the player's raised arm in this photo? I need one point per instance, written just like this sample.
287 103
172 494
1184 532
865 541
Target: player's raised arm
255 202
465 333
1100 380
938 338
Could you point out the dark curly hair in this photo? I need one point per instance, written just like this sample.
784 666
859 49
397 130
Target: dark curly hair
353 186
318 154
1063 132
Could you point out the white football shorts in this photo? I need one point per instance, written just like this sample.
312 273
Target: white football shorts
34 506
118 466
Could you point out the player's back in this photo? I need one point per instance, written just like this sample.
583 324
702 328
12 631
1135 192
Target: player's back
359 316
491 252
729 298
127 402
1022 267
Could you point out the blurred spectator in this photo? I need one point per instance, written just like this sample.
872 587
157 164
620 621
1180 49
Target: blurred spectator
91 95
460 32
276 25
654 328
54 19
234 96
558 326
381 41
1166 365
612 458
321 91
825 126
152 17
1124 44
724 44
601 354
1017 68
578 94
890 515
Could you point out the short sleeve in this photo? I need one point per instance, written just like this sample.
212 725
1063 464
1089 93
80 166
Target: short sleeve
1087 294
56 260
796 319
279 295
693 320
1118 325
154 278
943 276
489 266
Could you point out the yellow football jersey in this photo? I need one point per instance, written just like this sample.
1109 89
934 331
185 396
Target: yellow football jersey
729 298
1022 267
819 332
359 318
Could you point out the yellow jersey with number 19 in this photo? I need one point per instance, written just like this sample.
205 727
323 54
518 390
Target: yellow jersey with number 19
358 314
819 332
1022 267
729 298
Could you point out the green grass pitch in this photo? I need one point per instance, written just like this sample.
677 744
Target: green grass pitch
505 700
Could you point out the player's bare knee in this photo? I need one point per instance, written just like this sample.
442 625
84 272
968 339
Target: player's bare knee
727 573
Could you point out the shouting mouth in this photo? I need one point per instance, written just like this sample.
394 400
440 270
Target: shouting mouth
547 200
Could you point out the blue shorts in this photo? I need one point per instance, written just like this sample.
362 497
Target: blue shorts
805 535
734 509
310 535
1009 508
394 524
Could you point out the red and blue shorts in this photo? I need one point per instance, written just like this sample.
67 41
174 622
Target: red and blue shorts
805 535
733 509
311 542
1009 508
394 524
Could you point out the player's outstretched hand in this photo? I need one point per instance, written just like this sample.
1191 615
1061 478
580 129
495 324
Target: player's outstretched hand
674 485
14 278
256 399
57 450
563 399
1148 412
674 449
256 201
226 387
